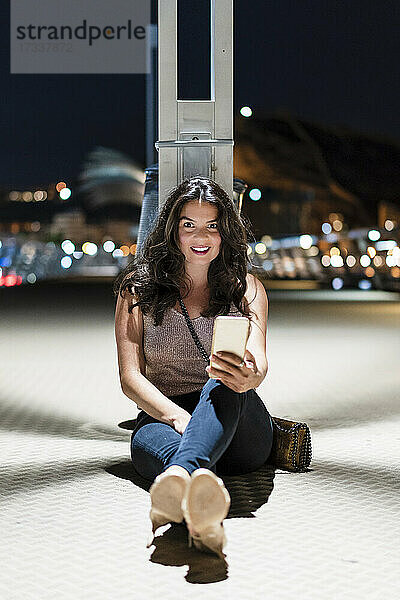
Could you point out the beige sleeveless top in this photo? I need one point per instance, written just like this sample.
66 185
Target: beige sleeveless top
173 361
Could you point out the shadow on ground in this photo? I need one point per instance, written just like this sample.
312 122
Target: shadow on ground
248 493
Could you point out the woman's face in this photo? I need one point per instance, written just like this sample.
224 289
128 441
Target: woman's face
199 238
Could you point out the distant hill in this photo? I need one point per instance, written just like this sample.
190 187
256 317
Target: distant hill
344 169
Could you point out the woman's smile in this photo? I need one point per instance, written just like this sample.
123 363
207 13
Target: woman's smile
200 250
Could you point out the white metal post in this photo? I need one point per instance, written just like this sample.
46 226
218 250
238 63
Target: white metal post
195 137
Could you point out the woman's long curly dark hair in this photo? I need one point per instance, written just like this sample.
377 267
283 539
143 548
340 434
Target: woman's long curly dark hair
157 274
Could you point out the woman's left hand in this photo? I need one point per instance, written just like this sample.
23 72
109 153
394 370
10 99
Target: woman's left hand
236 375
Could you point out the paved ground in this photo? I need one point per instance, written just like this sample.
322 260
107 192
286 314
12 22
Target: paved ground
74 517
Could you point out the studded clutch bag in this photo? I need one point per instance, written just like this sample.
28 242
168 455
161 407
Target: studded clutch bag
291 445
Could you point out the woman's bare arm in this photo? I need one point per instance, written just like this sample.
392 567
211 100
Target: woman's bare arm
258 301
131 364
227 366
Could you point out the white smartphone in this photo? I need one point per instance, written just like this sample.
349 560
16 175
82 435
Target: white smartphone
230 334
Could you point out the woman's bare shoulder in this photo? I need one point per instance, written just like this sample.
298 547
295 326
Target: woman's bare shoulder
255 295
128 318
129 336
127 299
252 284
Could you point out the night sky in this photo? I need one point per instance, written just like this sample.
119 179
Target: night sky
332 61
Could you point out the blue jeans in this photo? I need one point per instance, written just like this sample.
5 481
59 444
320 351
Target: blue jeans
229 433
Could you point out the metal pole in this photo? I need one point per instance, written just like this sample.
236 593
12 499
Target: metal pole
195 137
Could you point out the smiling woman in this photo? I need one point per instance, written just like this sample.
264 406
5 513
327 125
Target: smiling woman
193 267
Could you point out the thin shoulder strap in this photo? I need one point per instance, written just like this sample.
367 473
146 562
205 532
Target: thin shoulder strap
193 332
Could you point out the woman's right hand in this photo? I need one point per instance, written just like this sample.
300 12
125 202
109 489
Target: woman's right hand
180 421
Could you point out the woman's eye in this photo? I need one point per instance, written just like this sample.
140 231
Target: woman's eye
188 225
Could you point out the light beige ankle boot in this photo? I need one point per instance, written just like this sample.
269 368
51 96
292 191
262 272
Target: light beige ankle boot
166 493
204 506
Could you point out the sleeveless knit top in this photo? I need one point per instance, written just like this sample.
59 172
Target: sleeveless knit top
173 361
